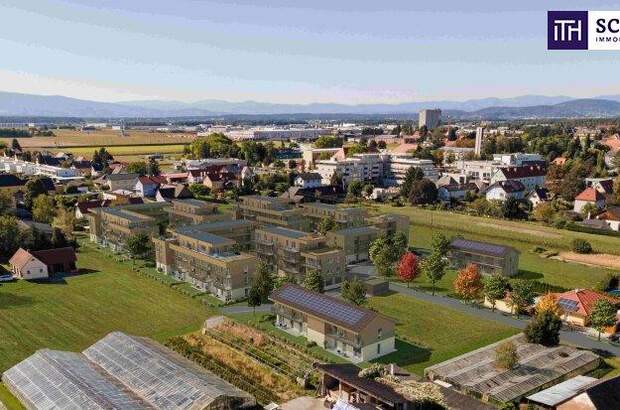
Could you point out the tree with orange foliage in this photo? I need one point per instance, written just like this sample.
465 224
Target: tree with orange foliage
549 303
408 267
468 283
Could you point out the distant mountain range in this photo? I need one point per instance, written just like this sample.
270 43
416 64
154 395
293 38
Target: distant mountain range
523 107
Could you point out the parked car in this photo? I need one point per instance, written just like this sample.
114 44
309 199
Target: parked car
6 278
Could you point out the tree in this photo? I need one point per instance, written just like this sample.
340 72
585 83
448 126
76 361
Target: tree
412 175
33 188
506 355
434 267
152 168
511 208
355 188
521 295
495 289
602 316
43 209
354 292
328 141
440 243
15 145
199 190
10 235
327 224
137 167
544 329
64 220
386 250
314 281
139 245
6 202
544 212
423 192
549 303
336 179
408 267
263 281
468 283
254 298
59 240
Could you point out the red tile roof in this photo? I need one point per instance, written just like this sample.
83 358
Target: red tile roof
20 258
590 195
585 299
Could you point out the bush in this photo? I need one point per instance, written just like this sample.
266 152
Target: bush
310 344
581 246
544 329
506 356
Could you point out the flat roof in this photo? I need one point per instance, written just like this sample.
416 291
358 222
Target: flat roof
223 224
561 392
290 233
203 236
357 230
481 247
193 202
126 214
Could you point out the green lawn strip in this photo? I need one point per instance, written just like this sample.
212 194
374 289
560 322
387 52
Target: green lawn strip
531 265
428 333
76 311
9 401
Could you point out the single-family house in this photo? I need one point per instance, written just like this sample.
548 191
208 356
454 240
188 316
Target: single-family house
537 196
589 196
447 193
531 176
503 190
577 306
115 182
356 333
308 180
11 184
41 264
168 192
146 186
611 218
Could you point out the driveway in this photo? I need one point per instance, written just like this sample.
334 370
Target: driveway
568 337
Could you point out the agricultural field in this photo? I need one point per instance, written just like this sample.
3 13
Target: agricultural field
125 150
73 312
424 339
524 236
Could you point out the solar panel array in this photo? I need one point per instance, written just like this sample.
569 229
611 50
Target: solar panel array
568 305
482 247
323 305
65 380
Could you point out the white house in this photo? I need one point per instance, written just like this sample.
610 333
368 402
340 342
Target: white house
537 196
308 180
446 193
611 217
589 196
531 176
25 266
502 190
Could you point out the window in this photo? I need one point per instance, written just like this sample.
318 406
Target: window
379 333
378 348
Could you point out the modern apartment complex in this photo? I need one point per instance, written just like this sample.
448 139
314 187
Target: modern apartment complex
490 258
344 217
384 169
193 212
429 118
350 331
270 211
210 262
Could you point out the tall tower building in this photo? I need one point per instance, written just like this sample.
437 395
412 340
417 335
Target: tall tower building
430 118
479 139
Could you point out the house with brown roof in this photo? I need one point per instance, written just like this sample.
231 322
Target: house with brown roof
589 196
611 218
531 176
41 264
146 186
350 331
503 190
577 305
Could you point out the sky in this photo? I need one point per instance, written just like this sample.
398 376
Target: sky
290 51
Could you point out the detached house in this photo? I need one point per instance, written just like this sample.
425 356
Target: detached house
353 332
578 304
308 180
538 196
589 196
503 190
146 186
42 264
531 176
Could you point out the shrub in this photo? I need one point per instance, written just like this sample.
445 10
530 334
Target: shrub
310 344
581 246
506 356
544 329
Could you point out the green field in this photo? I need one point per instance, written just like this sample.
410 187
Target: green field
125 150
73 313
428 334
522 235
10 402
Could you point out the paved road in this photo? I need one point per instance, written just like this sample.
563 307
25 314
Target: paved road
574 338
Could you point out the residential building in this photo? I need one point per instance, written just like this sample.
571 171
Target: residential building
269 211
209 262
591 197
146 186
114 182
453 192
343 216
308 180
611 218
600 394
531 176
83 207
555 396
193 211
13 185
429 118
577 305
354 241
390 224
169 192
120 372
56 172
325 193
293 253
490 258
357 333
112 226
603 185
503 190
537 196
42 264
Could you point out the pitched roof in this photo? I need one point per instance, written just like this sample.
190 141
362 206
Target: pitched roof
480 247
84 206
325 307
10 180
310 176
21 258
150 180
611 214
590 195
606 185
582 300
56 255
541 193
605 394
508 186
526 171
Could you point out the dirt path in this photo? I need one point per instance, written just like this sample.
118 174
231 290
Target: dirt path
528 231
604 260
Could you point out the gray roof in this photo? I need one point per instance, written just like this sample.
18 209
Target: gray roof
118 371
223 224
121 212
359 230
480 247
290 233
193 202
202 235
563 391
121 177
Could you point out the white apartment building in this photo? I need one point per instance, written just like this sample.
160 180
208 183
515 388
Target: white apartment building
485 170
386 169
16 166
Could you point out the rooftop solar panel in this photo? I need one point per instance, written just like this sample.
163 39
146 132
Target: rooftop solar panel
568 305
482 247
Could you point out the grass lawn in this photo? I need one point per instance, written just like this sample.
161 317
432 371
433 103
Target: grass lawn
531 265
428 334
72 313
9 401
